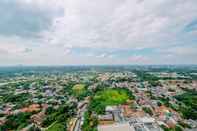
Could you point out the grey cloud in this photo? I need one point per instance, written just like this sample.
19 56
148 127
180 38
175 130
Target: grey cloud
3 52
124 24
191 26
105 25
27 50
23 20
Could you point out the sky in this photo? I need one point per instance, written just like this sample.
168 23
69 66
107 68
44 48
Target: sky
98 32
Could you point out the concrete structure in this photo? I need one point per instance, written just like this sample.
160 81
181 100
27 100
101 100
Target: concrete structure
145 124
135 124
106 117
116 127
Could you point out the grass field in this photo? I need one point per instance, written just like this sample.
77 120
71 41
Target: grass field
108 97
112 97
78 89
56 127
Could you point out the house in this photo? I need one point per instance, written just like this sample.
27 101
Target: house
106 119
128 112
116 111
145 124
31 108
112 109
38 118
2 120
167 115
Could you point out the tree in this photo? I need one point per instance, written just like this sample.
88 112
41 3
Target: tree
148 110
34 128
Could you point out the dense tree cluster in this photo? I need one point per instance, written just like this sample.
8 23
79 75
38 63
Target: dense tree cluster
189 106
16 121
59 116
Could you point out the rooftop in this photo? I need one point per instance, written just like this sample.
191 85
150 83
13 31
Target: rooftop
116 127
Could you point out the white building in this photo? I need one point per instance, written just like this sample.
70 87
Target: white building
116 127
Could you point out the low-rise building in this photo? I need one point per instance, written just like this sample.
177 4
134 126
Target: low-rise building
116 127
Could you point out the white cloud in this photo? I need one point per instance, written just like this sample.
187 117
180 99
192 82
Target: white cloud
122 24
11 46
104 55
181 50
43 4
139 59
105 24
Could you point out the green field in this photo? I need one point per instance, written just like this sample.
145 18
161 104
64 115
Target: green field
112 97
78 89
56 127
109 97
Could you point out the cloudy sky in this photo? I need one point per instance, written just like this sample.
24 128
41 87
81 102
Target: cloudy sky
64 32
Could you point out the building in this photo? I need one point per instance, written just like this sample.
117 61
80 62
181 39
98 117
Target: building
116 127
128 112
31 108
38 118
145 124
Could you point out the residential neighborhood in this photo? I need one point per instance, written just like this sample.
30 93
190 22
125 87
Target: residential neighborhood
129 100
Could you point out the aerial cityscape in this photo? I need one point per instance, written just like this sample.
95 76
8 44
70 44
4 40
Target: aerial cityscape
98 98
98 65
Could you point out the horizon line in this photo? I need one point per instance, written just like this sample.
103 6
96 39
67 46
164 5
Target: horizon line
62 65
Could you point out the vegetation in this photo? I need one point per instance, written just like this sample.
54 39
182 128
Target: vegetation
59 116
147 110
56 127
55 86
165 101
90 122
17 98
109 97
17 121
144 76
80 91
34 128
101 99
189 106
176 128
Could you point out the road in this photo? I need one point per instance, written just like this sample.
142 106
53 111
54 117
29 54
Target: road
80 116
13 82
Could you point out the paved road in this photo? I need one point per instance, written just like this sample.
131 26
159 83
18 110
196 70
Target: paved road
77 126
13 82
80 116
